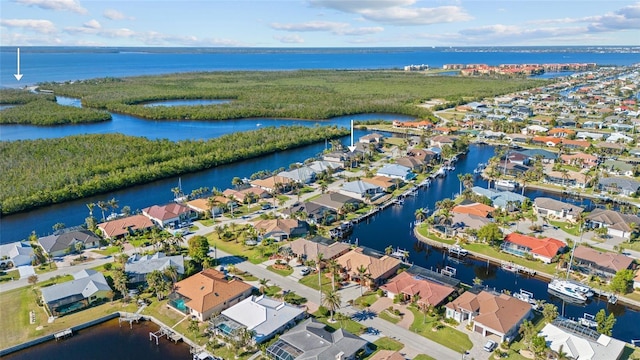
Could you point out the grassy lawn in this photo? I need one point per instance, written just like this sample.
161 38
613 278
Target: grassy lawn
17 329
492 252
423 357
238 249
110 250
311 281
272 290
207 222
385 315
281 272
45 268
635 245
366 300
340 322
9 275
634 295
385 343
171 317
424 231
447 336
566 227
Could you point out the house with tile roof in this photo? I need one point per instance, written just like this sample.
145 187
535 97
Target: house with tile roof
378 266
408 286
585 345
598 263
387 355
15 254
556 209
308 249
477 209
139 266
582 160
313 213
262 316
546 140
62 243
575 144
542 249
118 228
490 314
271 183
617 224
310 340
384 182
281 229
560 132
169 214
206 293
86 288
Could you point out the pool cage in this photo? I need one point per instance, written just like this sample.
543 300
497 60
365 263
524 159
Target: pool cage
282 350
222 325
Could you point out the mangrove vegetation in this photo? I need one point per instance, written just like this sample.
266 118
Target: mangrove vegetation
47 171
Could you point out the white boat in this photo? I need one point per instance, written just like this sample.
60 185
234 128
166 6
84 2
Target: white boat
506 184
441 172
458 251
588 320
569 290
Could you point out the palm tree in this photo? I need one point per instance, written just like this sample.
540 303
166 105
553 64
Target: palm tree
90 206
113 204
332 301
171 272
363 273
103 206
334 267
319 261
420 214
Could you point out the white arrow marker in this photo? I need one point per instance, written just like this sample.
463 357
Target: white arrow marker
18 75
351 148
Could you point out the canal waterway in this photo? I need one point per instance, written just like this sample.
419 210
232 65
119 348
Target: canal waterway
108 341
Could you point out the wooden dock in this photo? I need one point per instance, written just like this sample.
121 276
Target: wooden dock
63 334
164 331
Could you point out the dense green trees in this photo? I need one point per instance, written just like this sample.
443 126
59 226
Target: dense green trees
17 96
317 94
48 171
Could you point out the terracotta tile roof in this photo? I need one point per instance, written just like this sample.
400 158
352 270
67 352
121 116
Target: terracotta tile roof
270 182
284 225
379 180
387 355
612 261
546 139
208 289
376 267
561 131
498 312
199 205
576 143
166 212
431 293
477 209
547 247
120 227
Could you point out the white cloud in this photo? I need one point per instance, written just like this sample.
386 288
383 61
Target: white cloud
336 28
69 5
397 12
290 39
113 14
92 24
39 26
626 18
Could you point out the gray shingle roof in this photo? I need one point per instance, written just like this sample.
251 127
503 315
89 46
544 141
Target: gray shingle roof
556 205
58 242
142 265
85 283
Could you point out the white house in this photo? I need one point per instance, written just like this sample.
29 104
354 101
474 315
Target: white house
15 254
88 286
396 171
361 190
595 346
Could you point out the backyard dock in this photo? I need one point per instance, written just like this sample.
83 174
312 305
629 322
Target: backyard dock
63 334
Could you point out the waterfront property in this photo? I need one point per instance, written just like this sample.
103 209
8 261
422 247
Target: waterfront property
619 185
118 228
262 316
314 213
542 249
556 209
507 200
408 286
67 241
379 267
309 249
476 209
490 314
273 183
311 340
396 171
169 214
206 293
578 342
336 201
139 266
602 264
15 254
281 229
88 287
617 224
362 190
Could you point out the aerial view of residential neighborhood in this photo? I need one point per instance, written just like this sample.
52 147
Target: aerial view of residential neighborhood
326 203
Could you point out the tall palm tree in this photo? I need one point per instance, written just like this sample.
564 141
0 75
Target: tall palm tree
362 272
103 206
113 204
171 272
332 301
334 267
90 206
319 262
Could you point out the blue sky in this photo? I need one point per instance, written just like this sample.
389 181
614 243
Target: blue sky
318 23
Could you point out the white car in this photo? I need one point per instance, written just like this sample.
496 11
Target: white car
490 345
305 271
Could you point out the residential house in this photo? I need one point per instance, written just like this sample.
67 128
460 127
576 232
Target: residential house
618 185
313 213
567 178
15 254
461 223
263 317
310 340
373 138
575 144
490 314
411 162
169 215
273 183
63 243
598 263
582 160
546 156
546 140
281 229
523 245
336 201
338 157
387 184
518 158
611 148
477 209
309 249
396 171
587 344
129 225
387 355
301 175
379 267
619 138
507 200
636 280
617 224
561 132
442 140
206 293
139 266
243 195
534 129
361 190
86 288
585 135
517 138
617 167
200 205
320 166
424 155
409 286
555 209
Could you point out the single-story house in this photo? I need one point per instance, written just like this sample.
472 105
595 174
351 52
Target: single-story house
138 266
560 132
384 182
323 166
301 175
396 171
618 137
581 160
617 167
408 286
15 254
442 140
310 340
310 248
477 209
118 228
272 183
545 155
553 208
611 148
374 138
490 314
379 267
361 190
542 249
461 223
338 157
569 178
387 355
618 185
313 213
336 201
87 287
206 293
617 224
169 214
281 229
62 243
242 195
263 316
605 264
589 345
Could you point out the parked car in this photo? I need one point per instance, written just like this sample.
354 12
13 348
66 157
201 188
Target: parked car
305 271
266 206
490 345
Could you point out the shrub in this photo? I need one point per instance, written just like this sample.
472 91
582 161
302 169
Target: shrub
108 266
